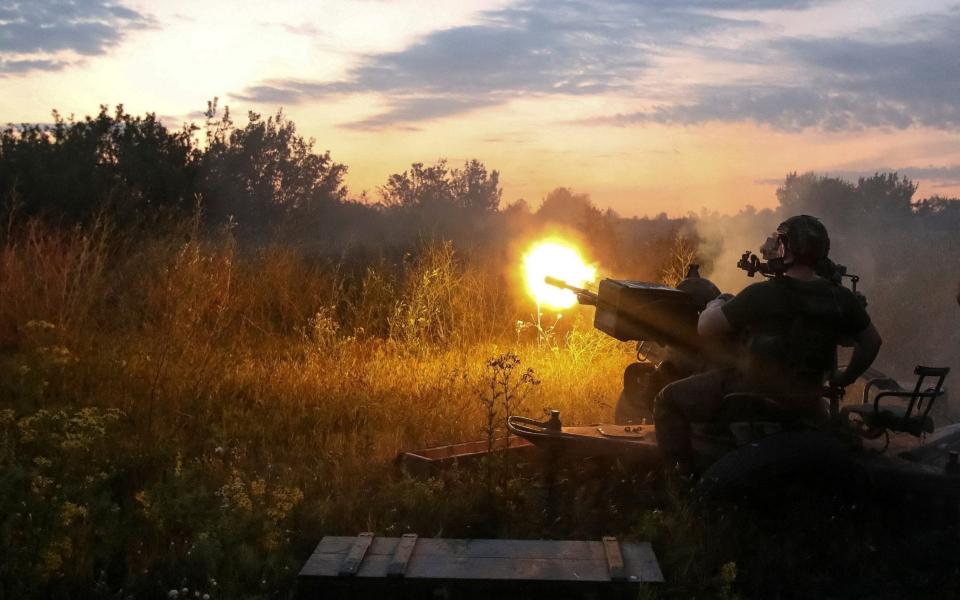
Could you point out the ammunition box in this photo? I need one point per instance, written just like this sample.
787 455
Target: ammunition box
636 310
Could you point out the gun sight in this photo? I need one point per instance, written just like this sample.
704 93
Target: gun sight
826 269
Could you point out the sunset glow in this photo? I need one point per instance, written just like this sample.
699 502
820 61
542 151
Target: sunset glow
733 98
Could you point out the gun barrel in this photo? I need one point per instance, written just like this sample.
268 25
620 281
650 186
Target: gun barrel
583 296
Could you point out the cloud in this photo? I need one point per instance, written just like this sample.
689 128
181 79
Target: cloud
305 29
412 110
572 47
788 108
34 33
291 91
936 176
946 174
19 67
895 78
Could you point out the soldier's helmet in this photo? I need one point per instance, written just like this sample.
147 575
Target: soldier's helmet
702 289
806 238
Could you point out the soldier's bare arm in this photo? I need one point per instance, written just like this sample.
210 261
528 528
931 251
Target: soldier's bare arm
712 320
866 345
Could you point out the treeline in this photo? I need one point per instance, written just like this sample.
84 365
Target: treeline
268 184
135 166
134 169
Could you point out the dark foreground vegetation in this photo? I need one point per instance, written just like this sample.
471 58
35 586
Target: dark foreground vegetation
210 354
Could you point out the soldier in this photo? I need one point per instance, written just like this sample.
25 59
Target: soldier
789 328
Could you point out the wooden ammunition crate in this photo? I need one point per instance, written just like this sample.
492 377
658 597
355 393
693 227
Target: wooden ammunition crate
410 567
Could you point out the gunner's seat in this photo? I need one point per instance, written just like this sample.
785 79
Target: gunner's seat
914 417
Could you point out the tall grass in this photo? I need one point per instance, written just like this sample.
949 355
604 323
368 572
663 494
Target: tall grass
179 411
179 414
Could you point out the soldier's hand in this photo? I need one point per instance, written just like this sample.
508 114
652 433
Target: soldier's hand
837 379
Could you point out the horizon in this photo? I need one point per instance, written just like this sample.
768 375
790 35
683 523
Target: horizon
648 108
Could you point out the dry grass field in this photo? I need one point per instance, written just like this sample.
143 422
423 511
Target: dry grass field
180 418
176 412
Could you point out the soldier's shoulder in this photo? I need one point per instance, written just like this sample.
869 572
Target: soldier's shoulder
849 297
760 291
761 286
834 287
844 291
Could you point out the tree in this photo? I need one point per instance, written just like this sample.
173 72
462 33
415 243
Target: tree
132 167
683 253
822 197
474 189
421 186
265 171
886 197
937 205
437 187
71 170
564 206
887 194
518 207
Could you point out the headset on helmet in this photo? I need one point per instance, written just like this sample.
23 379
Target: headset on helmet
806 237
807 240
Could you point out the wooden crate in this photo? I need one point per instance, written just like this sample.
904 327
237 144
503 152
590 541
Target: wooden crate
410 567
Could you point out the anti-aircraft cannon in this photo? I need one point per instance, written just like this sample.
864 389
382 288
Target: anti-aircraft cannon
635 311
885 442
882 443
653 313
881 446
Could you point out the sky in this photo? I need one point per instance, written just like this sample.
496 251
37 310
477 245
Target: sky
648 106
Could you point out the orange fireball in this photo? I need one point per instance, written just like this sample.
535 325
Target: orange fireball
560 259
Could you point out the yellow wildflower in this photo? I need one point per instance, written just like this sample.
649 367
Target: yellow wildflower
71 512
55 555
39 483
284 499
143 498
234 493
